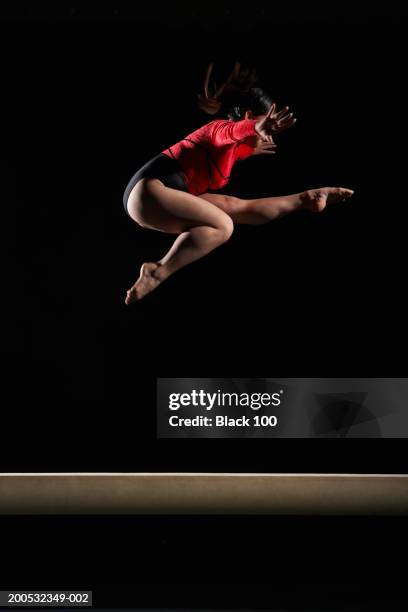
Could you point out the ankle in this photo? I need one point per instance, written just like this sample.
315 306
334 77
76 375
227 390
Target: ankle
305 198
160 272
293 202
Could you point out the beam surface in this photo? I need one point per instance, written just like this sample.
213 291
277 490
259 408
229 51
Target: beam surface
209 493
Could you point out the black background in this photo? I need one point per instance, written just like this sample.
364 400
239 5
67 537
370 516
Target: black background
91 92
274 563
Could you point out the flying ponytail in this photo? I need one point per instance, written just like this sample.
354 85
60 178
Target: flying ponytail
235 96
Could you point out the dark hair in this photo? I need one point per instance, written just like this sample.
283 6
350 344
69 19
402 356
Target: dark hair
235 93
235 104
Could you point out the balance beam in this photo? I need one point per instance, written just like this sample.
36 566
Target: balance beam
203 493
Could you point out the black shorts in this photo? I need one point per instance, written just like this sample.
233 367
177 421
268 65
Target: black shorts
162 167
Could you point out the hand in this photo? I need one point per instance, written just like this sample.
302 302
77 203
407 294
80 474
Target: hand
274 122
262 147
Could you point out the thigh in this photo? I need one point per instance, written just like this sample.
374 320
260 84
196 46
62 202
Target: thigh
231 205
156 206
240 211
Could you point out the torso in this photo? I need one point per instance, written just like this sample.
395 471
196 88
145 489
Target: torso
206 166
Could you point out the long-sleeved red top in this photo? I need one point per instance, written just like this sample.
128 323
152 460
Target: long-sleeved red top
208 154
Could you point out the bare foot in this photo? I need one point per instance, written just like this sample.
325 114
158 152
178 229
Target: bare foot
316 200
144 284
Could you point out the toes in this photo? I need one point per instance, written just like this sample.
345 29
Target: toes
131 296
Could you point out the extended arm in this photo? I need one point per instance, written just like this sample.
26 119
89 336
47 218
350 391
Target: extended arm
229 132
226 132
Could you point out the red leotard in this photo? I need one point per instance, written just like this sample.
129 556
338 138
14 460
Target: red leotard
208 154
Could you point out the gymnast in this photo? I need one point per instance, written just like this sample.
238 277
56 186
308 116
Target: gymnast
170 193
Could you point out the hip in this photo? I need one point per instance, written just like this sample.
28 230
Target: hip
162 167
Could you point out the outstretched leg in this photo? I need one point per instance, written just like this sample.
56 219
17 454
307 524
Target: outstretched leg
201 227
262 210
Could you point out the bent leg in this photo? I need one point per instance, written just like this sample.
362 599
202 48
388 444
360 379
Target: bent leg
262 210
201 227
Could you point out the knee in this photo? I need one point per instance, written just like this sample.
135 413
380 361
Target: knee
219 233
226 229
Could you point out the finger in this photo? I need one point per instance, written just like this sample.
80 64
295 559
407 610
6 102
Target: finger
287 119
284 118
271 110
268 136
285 126
282 112
267 148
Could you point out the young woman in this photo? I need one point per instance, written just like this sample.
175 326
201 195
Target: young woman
171 192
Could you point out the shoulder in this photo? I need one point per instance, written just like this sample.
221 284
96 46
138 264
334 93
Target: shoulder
220 121
216 123
209 128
